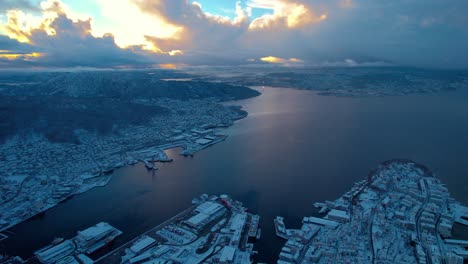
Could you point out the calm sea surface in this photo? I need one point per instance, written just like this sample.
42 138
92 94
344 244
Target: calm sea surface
294 148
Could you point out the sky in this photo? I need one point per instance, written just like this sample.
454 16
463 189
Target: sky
123 34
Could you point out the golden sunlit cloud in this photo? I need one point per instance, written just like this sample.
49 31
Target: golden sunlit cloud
289 14
130 25
285 13
278 60
143 27
271 59
151 46
128 32
242 15
23 56
20 25
296 60
170 66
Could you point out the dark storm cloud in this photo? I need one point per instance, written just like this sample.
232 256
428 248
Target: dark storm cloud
429 33
13 45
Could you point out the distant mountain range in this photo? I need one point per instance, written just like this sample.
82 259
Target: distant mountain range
57 103
118 84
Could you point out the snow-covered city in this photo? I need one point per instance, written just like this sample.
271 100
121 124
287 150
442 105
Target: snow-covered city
215 229
38 173
308 131
400 214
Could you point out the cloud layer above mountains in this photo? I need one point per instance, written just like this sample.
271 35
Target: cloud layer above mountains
173 33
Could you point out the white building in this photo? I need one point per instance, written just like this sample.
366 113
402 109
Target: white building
339 216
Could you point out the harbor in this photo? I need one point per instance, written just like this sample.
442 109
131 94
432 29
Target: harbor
251 167
76 250
216 229
56 190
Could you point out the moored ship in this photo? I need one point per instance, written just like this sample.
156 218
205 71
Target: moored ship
96 237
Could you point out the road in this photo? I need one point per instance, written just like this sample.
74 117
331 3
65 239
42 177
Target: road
391 186
418 223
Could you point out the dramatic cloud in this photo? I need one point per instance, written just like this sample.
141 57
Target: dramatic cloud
285 14
58 41
210 39
282 61
130 26
409 32
14 52
171 33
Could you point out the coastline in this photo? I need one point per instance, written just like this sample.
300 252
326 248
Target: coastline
198 176
199 139
401 203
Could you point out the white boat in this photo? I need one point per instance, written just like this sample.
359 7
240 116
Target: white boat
96 237
150 165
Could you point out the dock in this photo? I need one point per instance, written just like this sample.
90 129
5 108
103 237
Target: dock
114 256
280 227
80 247
213 229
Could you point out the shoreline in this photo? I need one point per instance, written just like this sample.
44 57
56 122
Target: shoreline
189 144
398 170
400 203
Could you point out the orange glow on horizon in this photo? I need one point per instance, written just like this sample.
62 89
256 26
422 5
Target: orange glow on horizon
14 56
150 32
168 66
149 46
295 60
272 59
278 60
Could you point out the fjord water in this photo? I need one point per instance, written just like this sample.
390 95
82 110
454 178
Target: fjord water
295 148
